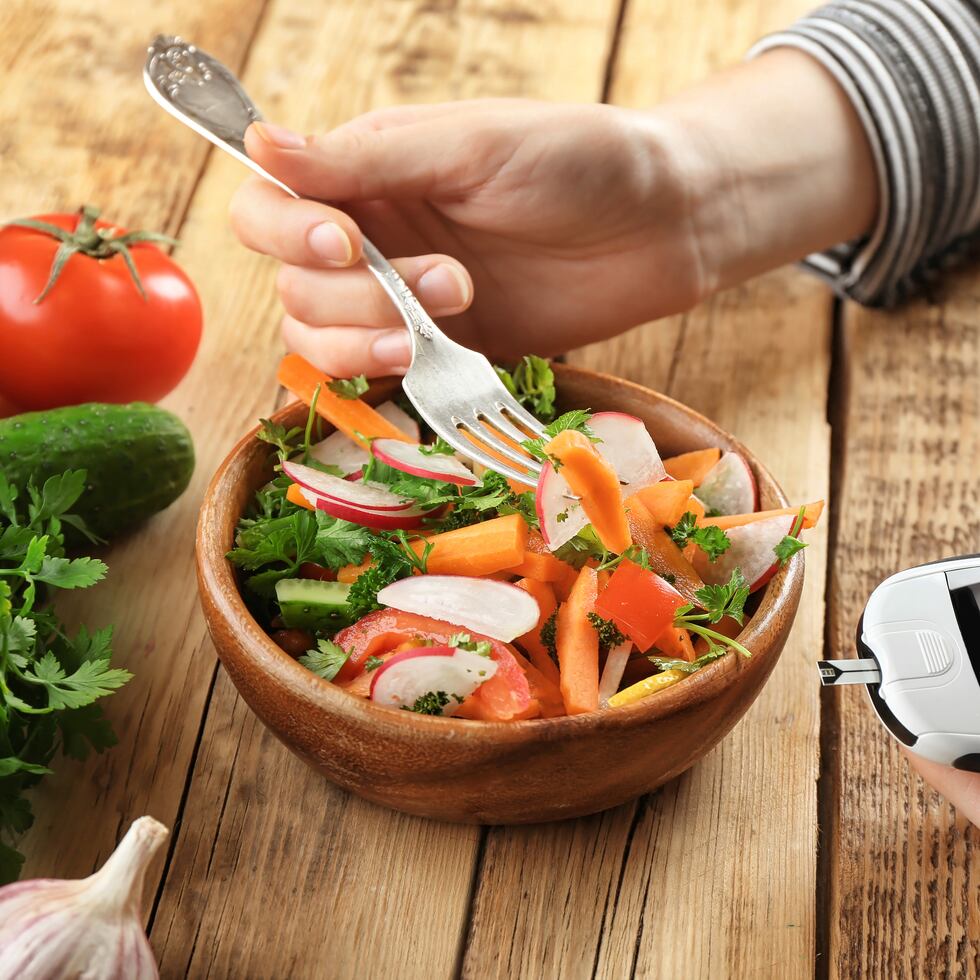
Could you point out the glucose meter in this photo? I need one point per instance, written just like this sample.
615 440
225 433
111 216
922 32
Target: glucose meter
919 657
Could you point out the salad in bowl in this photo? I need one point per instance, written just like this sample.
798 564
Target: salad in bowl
387 564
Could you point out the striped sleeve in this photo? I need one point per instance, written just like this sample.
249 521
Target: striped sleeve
911 68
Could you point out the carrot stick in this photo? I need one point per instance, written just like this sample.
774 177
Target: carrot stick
542 568
665 557
595 481
675 642
544 690
811 514
516 486
665 502
295 496
578 646
355 418
349 573
531 641
480 549
692 466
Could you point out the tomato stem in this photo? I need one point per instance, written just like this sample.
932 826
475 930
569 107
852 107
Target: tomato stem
96 243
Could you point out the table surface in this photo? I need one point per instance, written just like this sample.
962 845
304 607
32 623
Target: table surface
801 845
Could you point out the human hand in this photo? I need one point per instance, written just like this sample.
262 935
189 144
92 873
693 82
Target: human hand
962 789
528 227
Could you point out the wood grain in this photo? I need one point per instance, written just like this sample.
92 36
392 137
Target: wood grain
364 891
76 125
903 869
715 875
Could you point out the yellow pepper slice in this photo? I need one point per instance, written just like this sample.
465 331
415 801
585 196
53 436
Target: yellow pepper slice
646 687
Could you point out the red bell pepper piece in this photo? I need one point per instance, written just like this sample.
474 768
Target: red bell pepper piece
639 602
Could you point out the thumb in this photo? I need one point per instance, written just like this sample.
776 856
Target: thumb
350 164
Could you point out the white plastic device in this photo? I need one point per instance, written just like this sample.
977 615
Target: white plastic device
919 647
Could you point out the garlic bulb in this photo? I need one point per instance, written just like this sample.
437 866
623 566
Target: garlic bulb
90 929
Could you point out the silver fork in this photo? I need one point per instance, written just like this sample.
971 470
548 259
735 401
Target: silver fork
455 389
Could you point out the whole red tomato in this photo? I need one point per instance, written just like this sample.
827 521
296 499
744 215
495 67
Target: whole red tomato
97 332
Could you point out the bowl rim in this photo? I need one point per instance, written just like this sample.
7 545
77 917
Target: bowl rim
218 584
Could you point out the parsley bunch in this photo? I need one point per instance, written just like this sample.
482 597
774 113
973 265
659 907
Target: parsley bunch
49 680
710 539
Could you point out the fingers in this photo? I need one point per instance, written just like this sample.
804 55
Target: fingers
344 352
368 162
962 789
322 298
299 232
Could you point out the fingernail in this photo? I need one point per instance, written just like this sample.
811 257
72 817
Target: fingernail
279 136
392 349
444 286
330 242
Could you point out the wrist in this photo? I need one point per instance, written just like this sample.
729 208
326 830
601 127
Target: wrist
773 162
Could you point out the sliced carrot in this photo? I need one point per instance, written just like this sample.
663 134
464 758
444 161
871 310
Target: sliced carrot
696 508
542 568
348 574
542 593
666 502
516 486
811 514
578 646
665 557
354 417
295 496
692 466
480 549
676 642
544 690
595 481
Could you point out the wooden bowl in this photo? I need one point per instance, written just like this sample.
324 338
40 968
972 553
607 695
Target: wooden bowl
490 772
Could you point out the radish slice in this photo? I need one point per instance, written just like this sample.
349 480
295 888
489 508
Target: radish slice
410 459
400 419
379 520
559 516
751 550
401 680
612 673
729 487
496 609
629 448
337 450
355 493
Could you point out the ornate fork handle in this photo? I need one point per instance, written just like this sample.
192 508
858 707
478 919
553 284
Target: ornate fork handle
200 92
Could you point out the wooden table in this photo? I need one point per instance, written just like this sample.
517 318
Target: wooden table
802 845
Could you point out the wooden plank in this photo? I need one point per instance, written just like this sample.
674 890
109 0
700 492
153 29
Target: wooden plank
903 868
79 127
275 872
715 874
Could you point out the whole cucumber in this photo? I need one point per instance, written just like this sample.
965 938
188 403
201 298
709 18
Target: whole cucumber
139 458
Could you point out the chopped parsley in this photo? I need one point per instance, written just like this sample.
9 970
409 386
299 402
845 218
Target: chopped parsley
710 539
791 544
532 383
463 641
549 635
326 660
372 663
438 448
609 633
717 601
430 703
349 388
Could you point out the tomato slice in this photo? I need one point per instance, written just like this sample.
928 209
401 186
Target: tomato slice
505 697
640 603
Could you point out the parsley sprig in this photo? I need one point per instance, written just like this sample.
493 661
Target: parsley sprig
349 388
717 602
791 544
49 680
532 383
710 539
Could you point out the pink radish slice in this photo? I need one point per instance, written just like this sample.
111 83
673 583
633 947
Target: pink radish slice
400 419
628 446
495 609
400 681
379 520
410 459
355 493
337 450
752 551
552 501
729 487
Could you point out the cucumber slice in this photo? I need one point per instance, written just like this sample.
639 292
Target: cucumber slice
311 604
